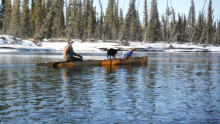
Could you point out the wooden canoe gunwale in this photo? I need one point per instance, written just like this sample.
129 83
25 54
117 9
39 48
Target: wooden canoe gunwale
109 62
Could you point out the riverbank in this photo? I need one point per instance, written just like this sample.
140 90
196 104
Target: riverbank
10 44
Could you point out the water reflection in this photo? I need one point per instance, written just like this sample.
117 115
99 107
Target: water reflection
110 69
173 88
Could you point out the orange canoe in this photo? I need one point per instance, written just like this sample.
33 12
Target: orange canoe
108 62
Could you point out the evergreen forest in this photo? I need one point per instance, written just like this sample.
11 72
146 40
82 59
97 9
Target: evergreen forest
78 19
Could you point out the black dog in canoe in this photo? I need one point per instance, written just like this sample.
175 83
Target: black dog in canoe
111 53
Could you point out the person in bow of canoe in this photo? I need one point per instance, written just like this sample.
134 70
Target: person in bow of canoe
127 54
69 53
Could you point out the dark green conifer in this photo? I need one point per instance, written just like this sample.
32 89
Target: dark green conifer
108 20
25 19
32 19
58 22
200 27
7 8
99 25
116 27
2 8
38 17
15 26
209 27
191 22
145 20
154 26
216 38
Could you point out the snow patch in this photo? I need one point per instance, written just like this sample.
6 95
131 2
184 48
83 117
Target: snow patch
11 44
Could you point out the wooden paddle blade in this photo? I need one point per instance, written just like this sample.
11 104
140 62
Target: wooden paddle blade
57 63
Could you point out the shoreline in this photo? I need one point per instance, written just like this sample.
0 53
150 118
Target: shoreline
9 45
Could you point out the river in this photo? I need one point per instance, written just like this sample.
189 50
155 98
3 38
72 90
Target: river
172 88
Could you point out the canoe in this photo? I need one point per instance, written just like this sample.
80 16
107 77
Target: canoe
109 62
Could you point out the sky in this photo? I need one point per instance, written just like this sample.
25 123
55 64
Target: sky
180 6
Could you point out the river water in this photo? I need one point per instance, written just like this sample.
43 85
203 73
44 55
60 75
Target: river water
172 88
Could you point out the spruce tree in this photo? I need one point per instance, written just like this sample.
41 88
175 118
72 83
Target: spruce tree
38 18
71 23
7 8
2 13
58 24
86 14
53 25
48 5
90 26
131 21
121 22
184 28
80 20
145 20
154 26
108 20
139 35
180 31
99 26
200 27
216 38
209 29
97 30
191 22
203 37
173 26
116 27
166 29
44 9
125 31
101 23
131 29
218 33
46 28
15 27
32 19
92 21
25 19
93 12
67 13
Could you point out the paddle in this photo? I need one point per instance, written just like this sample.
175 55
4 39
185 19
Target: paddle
72 59
57 63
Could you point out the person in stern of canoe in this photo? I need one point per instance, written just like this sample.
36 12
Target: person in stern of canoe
69 53
127 54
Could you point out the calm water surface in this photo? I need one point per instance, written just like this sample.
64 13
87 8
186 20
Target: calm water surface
173 88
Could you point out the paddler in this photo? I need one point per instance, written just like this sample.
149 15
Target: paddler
127 54
69 53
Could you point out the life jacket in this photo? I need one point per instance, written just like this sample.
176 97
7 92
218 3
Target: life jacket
70 53
128 53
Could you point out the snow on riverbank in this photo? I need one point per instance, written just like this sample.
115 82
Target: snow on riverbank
10 44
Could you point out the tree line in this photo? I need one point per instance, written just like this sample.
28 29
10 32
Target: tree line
79 19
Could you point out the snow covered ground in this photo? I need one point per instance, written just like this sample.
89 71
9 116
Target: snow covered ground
10 44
